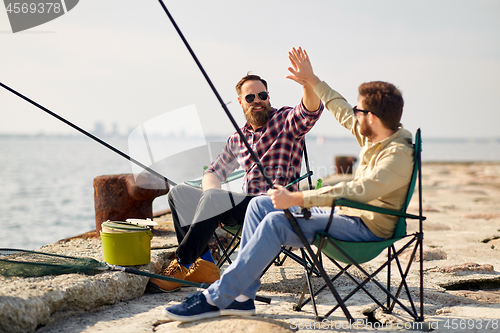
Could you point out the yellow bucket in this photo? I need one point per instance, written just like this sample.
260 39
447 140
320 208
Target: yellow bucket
128 248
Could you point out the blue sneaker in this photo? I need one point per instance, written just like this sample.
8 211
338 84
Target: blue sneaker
246 308
192 308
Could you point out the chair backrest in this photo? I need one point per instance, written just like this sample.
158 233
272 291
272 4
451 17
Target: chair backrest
308 169
400 230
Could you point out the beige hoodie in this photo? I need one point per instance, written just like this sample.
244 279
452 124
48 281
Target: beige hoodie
382 177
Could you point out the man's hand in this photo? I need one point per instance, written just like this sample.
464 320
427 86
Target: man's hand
302 71
210 181
303 74
283 199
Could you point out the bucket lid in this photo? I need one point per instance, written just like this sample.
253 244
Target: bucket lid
124 226
143 222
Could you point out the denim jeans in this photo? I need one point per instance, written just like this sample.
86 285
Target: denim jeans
264 231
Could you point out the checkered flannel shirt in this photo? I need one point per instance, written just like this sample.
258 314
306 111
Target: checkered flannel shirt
278 144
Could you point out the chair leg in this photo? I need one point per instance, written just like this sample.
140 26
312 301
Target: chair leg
403 278
360 285
328 283
296 258
324 275
230 253
225 256
235 242
293 256
335 293
421 243
389 277
308 284
298 306
370 278
278 261
320 290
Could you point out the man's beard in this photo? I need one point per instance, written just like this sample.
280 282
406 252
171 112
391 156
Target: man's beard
365 130
259 118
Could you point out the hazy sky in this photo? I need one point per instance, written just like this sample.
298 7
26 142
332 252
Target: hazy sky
121 62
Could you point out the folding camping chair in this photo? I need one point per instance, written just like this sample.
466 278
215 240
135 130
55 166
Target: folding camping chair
356 253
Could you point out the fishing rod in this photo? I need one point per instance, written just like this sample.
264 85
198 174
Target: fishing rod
219 98
287 212
157 174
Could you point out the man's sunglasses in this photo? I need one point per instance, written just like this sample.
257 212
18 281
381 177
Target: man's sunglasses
356 110
263 95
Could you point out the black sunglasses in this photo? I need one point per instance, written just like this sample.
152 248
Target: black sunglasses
356 110
263 95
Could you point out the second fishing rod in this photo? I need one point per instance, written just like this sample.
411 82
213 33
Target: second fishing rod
93 137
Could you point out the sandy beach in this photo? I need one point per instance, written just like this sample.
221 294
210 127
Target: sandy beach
461 276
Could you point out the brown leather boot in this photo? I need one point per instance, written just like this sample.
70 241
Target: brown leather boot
174 270
202 271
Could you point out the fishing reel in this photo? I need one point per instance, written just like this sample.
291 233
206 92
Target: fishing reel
306 213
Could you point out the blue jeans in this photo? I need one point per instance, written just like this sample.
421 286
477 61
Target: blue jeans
264 231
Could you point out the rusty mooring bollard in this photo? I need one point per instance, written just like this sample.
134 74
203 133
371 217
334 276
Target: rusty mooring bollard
344 164
120 197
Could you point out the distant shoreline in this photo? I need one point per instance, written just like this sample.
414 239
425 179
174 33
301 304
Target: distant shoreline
310 137
460 162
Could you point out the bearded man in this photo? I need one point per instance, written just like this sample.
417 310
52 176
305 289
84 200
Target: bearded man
277 137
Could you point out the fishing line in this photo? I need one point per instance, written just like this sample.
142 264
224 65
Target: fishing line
288 215
89 135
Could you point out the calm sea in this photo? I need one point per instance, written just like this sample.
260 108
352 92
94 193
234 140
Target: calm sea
47 182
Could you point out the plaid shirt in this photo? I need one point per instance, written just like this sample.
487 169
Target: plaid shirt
278 144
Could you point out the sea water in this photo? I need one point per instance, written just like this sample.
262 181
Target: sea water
47 189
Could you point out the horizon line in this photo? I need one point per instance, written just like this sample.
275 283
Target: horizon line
174 135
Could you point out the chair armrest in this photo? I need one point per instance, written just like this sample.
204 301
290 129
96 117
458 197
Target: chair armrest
232 176
363 206
193 183
310 173
240 173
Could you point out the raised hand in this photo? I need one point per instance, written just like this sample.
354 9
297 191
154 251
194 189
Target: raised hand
302 71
